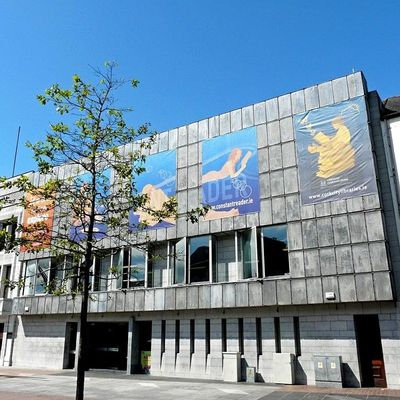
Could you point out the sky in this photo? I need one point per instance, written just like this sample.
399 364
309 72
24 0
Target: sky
194 59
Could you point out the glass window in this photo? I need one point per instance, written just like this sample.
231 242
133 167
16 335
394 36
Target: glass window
137 267
56 274
249 253
224 258
157 264
117 267
30 274
42 275
178 261
199 262
275 250
104 272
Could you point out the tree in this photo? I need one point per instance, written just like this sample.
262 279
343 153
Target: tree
90 207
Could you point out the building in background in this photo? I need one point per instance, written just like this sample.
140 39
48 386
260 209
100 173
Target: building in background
297 261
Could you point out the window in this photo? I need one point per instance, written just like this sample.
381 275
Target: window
240 335
259 336
274 250
248 253
133 270
224 258
9 227
199 261
277 329
157 266
296 330
102 272
177 260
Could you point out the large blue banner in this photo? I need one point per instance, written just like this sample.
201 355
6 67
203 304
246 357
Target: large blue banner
80 223
158 182
334 152
230 174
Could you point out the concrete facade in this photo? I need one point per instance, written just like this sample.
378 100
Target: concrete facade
344 260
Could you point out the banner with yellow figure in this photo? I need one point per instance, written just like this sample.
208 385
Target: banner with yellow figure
334 152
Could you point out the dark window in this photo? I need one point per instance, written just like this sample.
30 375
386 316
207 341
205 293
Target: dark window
240 335
7 237
177 335
199 259
259 336
275 250
296 329
192 328
137 267
208 337
223 334
177 261
277 328
163 336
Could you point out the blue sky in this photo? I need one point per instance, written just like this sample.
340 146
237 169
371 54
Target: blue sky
194 59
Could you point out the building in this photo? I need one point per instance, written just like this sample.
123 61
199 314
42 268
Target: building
299 257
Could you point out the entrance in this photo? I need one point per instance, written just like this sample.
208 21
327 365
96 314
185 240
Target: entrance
369 348
107 345
143 340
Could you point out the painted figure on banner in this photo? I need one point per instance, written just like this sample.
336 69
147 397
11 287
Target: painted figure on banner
334 152
158 183
230 175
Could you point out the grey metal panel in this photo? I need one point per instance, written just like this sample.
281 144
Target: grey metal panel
271 106
255 293
291 181
314 290
275 157
273 133
354 204
203 129
299 292
307 211
224 123
292 207
330 284
182 157
265 188
312 263
239 222
181 227
341 229
325 92
107 303
205 296
355 84
204 227
263 161
338 207
182 136
54 304
344 259
215 225
163 141
182 179
180 298
130 300
173 139
278 210
277 184
193 154
322 209
139 300
340 90
159 299
193 132
170 299
371 201
378 255
62 307
288 154
181 198
295 236
148 299
259 113
283 291
374 225
252 219
298 102
310 236
347 288
213 126
248 116
311 97
262 138
285 106
296 264
227 224
269 293
265 212
325 232
229 294
383 287
236 120
242 294
361 258
216 296
364 287
328 261
192 295
286 129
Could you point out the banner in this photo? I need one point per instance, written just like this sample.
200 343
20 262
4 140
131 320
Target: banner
37 223
80 220
158 182
334 152
230 174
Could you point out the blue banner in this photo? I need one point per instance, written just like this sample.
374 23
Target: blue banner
230 174
334 152
158 182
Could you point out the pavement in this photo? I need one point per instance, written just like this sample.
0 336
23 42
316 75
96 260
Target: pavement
25 384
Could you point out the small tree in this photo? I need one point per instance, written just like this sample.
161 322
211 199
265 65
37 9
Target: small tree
90 206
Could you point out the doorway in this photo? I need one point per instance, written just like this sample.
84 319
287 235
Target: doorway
107 345
141 354
369 348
